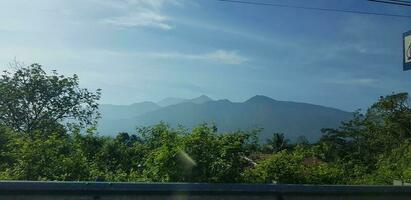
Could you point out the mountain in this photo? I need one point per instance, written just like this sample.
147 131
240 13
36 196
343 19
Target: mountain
170 101
199 100
110 111
292 118
173 101
116 118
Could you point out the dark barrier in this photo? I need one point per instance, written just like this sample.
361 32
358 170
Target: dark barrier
125 191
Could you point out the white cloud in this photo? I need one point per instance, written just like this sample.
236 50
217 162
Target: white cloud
125 4
154 3
141 13
228 57
219 56
355 81
141 19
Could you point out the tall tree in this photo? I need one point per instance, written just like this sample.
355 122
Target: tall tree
31 99
359 143
276 143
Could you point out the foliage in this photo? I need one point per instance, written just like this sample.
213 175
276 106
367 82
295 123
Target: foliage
394 165
30 100
277 143
300 166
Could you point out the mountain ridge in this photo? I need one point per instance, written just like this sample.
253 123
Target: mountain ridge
293 118
174 100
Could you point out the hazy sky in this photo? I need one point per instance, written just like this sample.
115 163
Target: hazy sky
136 50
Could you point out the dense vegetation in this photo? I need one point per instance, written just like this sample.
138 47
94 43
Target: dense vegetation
46 133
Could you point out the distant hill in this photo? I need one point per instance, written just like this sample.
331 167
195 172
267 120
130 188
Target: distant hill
173 101
170 101
116 118
127 111
293 119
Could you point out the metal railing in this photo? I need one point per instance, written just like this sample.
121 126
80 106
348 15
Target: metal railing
124 191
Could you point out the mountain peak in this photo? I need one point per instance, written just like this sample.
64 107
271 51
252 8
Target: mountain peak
204 96
260 98
201 99
173 101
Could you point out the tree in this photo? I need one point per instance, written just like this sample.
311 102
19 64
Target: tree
46 158
384 126
277 143
235 148
301 166
31 99
393 165
7 145
127 139
203 148
359 143
162 163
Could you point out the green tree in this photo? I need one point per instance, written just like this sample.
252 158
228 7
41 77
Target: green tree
31 99
7 146
203 148
359 143
276 143
162 163
393 165
384 126
116 160
300 166
233 159
217 158
50 158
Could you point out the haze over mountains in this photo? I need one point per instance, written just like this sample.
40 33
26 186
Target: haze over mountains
172 100
292 118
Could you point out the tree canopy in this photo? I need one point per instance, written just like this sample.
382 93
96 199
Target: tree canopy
31 99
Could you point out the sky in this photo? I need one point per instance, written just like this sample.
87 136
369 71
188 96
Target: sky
147 50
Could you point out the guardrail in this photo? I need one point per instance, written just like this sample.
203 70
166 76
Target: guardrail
23 190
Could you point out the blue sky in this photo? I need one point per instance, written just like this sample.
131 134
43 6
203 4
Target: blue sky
138 50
